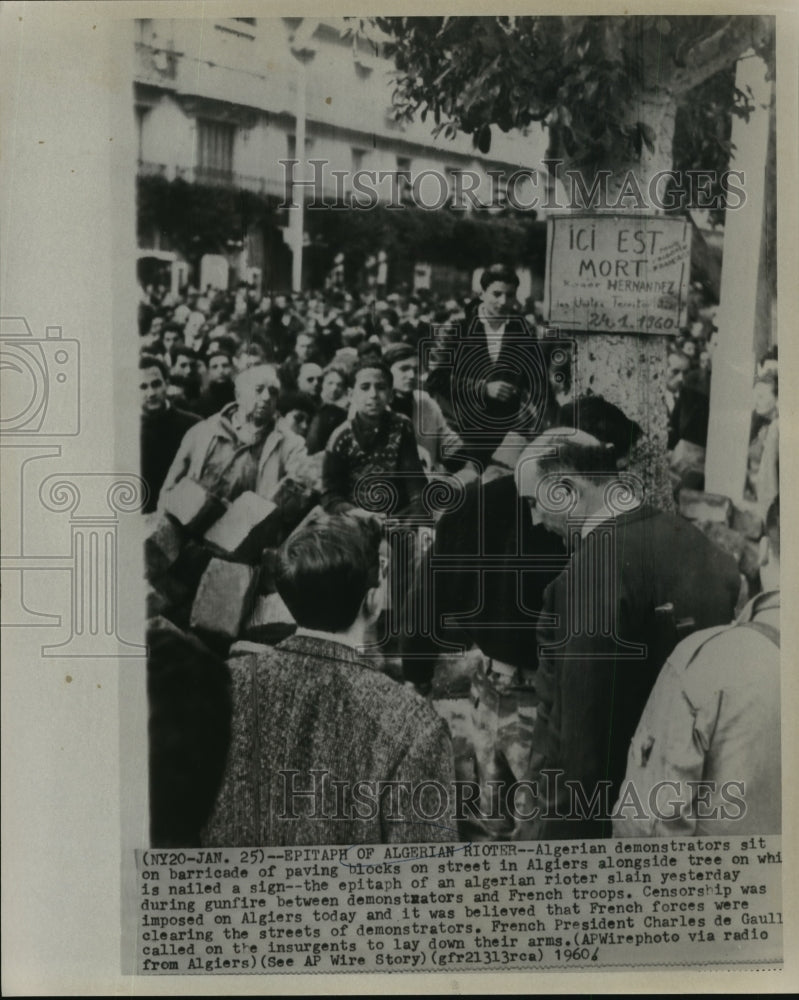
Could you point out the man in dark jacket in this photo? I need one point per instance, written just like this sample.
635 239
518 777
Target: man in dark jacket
637 578
489 376
483 582
221 391
162 427
492 563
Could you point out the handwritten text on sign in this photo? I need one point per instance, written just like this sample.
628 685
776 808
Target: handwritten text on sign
617 274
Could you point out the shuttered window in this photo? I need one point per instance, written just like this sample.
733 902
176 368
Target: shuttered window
215 149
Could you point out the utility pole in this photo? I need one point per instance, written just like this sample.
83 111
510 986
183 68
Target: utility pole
303 49
733 359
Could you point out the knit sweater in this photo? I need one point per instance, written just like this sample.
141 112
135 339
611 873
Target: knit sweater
363 463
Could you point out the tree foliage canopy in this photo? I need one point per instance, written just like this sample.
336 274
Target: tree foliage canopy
581 76
199 218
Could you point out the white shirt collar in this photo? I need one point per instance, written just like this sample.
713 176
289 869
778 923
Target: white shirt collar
342 640
492 327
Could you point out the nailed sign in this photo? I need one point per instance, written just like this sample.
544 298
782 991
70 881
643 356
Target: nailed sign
617 273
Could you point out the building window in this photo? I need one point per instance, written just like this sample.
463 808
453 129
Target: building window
141 114
358 156
450 173
215 151
404 177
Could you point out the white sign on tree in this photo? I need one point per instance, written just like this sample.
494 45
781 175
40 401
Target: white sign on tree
617 273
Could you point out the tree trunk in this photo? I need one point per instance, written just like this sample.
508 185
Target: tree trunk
629 369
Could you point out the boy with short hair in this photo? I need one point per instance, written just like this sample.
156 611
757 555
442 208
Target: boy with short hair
324 749
375 448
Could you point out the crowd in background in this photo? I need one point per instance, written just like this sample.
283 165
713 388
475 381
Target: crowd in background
690 366
316 338
320 401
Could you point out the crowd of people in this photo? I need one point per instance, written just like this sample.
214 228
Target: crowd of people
690 365
295 452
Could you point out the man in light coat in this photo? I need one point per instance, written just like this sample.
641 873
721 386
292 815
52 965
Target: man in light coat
705 758
242 447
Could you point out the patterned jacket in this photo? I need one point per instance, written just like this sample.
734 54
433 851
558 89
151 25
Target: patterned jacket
362 465
316 732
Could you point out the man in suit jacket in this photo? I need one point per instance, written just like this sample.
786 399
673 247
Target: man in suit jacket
636 576
324 749
490 375
484 580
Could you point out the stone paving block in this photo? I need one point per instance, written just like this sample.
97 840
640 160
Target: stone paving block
246 528
224 598
749 563
191 564
192 505
725 538
457 712
270 620
162 546
453 673
748 522
699 506
155 602
165 594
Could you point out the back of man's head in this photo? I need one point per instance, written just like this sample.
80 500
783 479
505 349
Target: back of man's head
249 376
326 569
603 420
575 451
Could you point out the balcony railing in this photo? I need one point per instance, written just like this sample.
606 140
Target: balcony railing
155 65
217 177
276 187
148 169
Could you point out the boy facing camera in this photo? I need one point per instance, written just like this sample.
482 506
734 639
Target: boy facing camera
375 449
324 749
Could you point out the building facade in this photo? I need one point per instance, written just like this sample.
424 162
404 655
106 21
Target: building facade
219 104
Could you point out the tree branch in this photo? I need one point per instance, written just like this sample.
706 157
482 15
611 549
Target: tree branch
714 53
